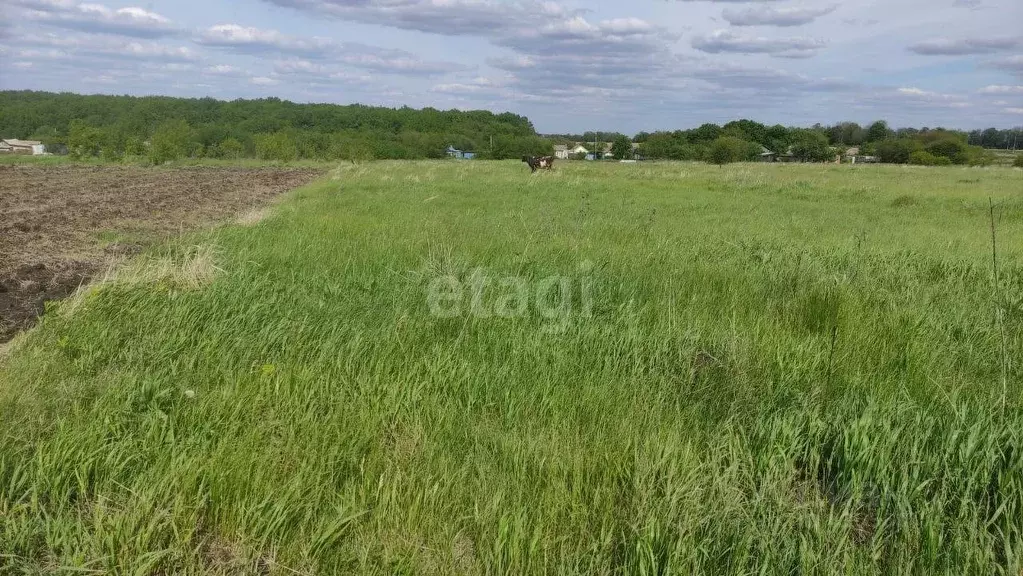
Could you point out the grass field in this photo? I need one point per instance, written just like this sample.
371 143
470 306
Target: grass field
647 369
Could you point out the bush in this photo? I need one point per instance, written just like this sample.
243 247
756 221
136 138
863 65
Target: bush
924 158
134 147
277 146
897 151
977 156
728 149
171 141
1018 163
812 147
83 141
949 148
231 148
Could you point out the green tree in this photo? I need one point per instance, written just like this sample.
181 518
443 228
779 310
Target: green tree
83 141
727 149
621 148
705 133
949 148
170 141
878 132
231 148
897 151
134 146
277 146
812 146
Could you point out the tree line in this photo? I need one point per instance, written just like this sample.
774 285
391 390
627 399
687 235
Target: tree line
164 128
161 128
746 140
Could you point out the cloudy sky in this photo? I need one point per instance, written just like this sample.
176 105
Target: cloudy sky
570 66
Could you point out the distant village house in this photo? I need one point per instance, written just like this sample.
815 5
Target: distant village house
27 147
460 154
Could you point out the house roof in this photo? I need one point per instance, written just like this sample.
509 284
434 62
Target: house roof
560 147
854 151
25 143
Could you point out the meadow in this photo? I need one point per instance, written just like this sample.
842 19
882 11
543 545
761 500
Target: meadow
464 368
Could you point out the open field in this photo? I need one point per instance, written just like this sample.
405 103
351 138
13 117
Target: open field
463 368
61 223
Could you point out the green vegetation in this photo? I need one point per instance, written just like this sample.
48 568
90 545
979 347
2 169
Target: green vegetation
1018 162
823 143
924 158
727 149
808 369
118 127
621 148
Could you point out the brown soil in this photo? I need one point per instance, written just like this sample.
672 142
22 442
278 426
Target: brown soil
60 225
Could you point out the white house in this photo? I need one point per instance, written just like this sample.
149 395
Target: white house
15 146
561 151
579 149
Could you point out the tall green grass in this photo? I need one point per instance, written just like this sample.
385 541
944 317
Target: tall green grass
783 369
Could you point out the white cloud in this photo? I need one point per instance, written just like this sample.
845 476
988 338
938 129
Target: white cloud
1001 90
96 18
771 16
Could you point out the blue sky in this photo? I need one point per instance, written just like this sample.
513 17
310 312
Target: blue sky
569 66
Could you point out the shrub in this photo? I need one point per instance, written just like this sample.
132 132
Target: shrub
727 149
83 141
134 147
277 146
977 156
897 151
231 148
812 147
949 148
922 158
171 141
1018 163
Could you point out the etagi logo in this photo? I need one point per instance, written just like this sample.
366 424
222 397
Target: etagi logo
556 298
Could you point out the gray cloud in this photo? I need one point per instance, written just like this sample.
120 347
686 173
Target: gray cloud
255 41
727 1
964 47
96 18
771 16
760 79
1013 64
447 17
728 41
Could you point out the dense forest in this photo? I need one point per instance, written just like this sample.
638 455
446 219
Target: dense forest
164 128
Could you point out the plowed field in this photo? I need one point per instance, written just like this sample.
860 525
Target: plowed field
59 225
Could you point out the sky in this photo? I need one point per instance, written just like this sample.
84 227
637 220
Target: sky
629 66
